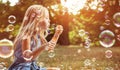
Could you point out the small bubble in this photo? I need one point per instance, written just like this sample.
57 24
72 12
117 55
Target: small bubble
12 19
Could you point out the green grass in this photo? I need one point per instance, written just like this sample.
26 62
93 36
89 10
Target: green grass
68 58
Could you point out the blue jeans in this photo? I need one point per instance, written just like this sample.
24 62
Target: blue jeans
26 66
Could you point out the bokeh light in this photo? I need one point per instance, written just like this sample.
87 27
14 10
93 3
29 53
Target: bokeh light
107 38
12 2
6 48
102 28
73 6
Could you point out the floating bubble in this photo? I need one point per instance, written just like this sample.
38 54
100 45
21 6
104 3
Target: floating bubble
12 19
51 54
102 27
82 32
108 54
107 22
118 37
87 62
107 38
10 28
6 48
87 43
116 18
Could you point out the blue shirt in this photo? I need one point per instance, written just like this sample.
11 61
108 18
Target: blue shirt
18 50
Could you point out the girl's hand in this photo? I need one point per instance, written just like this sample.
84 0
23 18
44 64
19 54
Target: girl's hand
59 29
51 46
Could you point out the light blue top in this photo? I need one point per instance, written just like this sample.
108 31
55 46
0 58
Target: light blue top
18 50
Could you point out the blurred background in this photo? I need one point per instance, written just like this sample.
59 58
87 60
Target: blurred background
90 40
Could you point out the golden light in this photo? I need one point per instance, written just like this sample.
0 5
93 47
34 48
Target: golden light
73 6
94 4
55 7
12 2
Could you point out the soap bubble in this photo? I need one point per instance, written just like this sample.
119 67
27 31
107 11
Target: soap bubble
12 19
108 54
118 37
107 38
51 54
6 48
107 22
116 18
10 28
82 32
87 62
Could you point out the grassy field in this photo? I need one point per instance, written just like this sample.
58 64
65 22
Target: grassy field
78 58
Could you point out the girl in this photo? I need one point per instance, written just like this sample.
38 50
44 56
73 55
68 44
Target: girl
30 40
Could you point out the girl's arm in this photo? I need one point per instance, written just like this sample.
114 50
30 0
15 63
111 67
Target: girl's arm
49 45
35 53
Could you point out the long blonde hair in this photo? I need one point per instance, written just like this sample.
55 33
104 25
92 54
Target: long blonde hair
32 19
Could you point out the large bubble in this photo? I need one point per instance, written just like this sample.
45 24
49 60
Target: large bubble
6 48
107 38
116 18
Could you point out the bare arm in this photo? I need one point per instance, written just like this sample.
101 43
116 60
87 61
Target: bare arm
37 51
47 44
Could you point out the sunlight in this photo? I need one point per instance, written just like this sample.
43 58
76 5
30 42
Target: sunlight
73 6
12 2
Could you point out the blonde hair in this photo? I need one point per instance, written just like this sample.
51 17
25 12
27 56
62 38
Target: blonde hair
32 19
